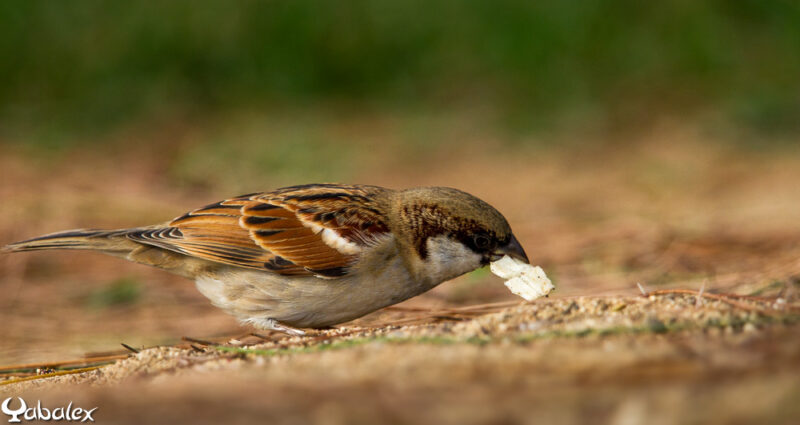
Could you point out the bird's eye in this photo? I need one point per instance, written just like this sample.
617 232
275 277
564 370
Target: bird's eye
481 241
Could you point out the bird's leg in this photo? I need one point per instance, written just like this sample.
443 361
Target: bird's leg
275 325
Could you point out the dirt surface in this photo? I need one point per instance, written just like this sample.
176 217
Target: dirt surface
671 211
672 358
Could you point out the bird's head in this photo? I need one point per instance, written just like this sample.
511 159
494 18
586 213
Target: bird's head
452 232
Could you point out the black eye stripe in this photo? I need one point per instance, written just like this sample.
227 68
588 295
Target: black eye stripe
479 242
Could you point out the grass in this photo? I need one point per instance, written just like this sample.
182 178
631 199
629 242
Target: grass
83 70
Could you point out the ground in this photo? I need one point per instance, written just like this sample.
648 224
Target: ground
710 334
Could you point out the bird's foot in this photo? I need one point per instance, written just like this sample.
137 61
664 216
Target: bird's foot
274 325
288 330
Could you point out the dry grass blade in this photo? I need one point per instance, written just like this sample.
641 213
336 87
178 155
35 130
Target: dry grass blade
50 375
199 341
129 348
52 365
476 307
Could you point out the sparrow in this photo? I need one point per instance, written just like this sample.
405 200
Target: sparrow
312 256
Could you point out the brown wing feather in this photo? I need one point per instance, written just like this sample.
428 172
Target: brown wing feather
280 231
290 223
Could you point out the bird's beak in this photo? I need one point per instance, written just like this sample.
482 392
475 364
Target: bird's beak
513 249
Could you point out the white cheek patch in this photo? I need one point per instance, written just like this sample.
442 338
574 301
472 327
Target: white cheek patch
525 280
448 258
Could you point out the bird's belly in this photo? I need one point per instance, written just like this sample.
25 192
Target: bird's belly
307 301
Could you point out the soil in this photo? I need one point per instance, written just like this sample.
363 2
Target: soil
709 335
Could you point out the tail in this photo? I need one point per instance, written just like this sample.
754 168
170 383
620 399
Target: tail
109 241
116 243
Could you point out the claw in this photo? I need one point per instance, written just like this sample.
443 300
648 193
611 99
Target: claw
274 325
287 329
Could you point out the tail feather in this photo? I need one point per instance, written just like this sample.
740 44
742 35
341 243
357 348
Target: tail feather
116 243
102 240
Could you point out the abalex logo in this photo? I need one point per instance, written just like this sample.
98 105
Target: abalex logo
67 413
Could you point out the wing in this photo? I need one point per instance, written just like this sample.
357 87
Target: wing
300 230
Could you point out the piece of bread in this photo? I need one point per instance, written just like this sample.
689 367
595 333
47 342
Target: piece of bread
523 279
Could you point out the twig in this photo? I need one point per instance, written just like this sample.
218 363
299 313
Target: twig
95 354
476 307
449 317
134 350
404 308
489 306
21 374
259 336
50 375
199 341
52 365
406 321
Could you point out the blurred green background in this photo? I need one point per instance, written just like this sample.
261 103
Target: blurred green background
75 73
